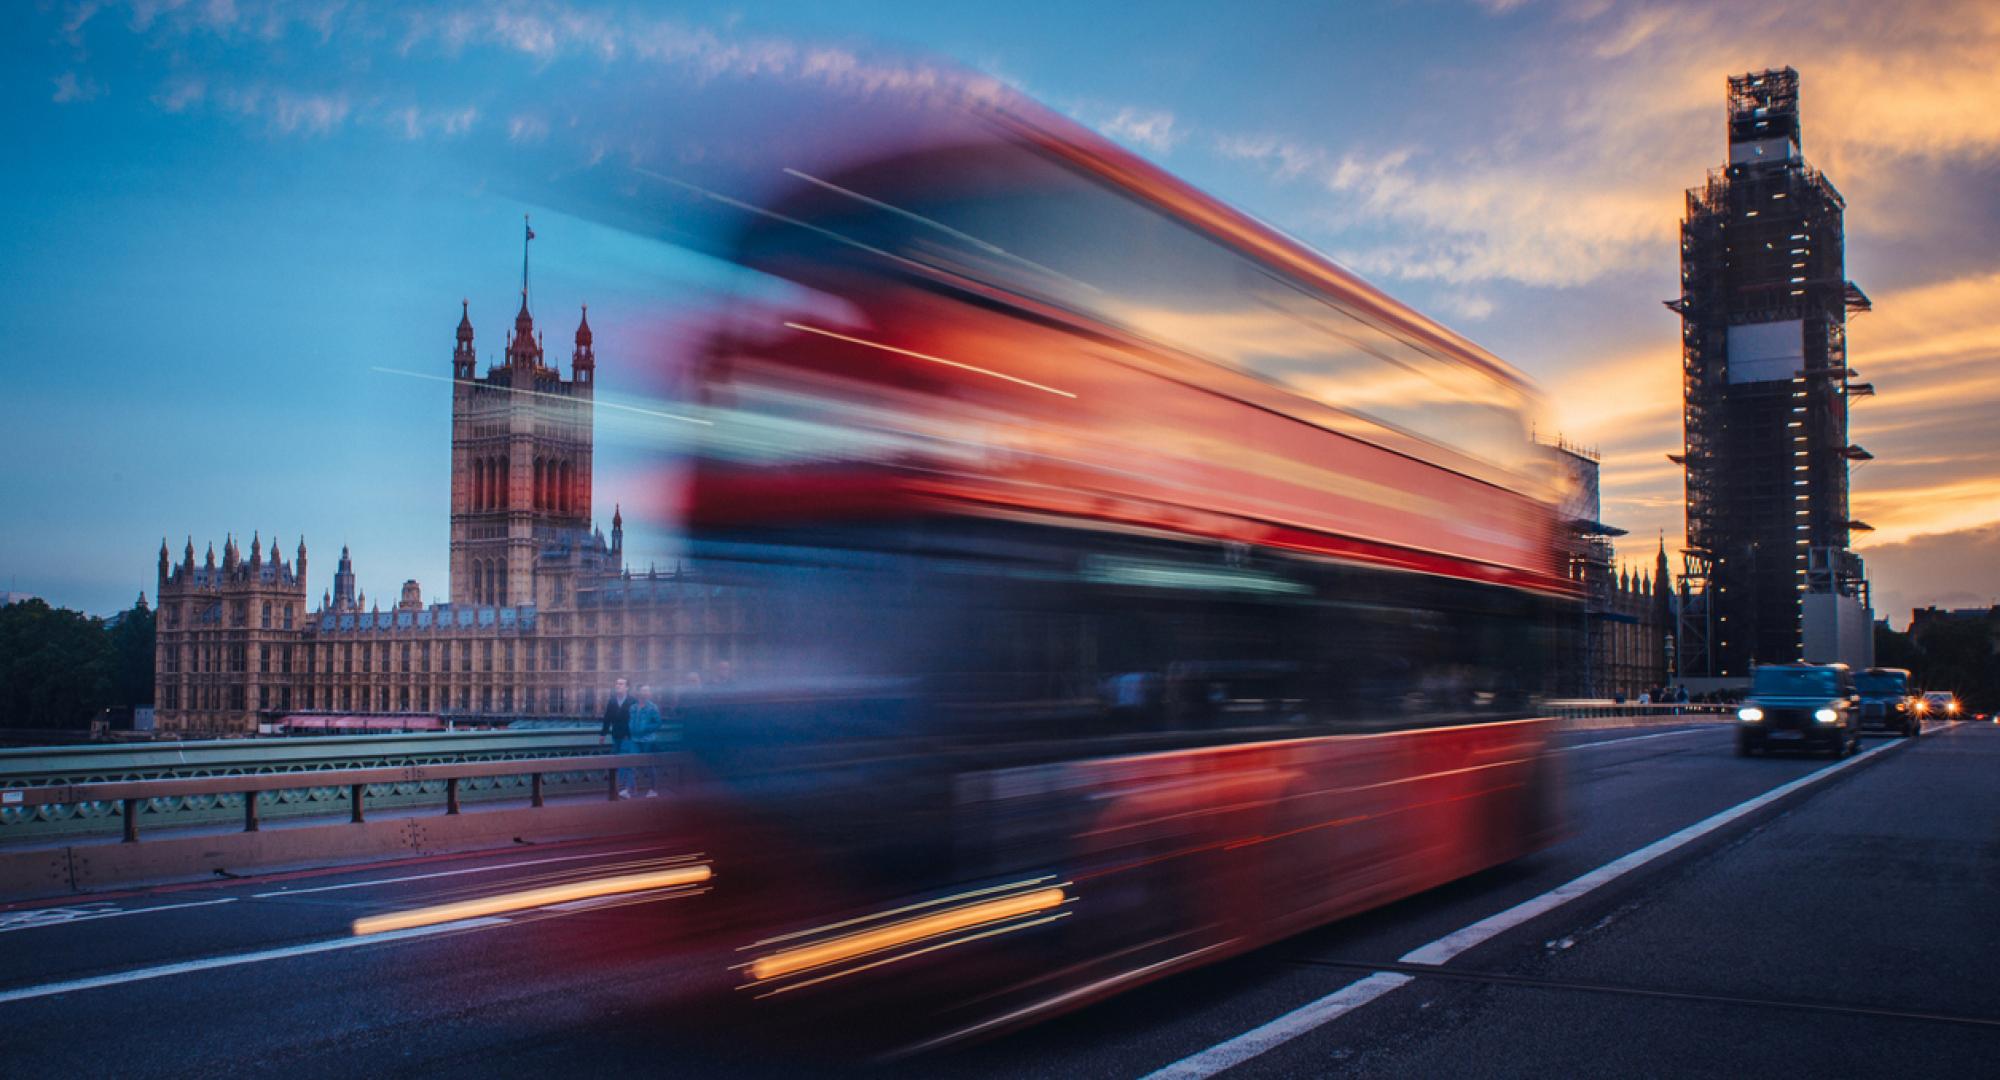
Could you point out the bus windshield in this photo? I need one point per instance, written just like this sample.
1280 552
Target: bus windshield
1795 682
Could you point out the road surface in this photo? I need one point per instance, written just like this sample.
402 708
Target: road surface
1710 915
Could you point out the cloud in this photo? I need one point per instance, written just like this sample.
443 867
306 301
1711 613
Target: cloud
413 123
1609 111
71 87
1284 159
1960 568
527 127
311 114
1470 307
1151 129
180 94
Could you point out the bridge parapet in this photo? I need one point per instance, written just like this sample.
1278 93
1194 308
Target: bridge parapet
432 796
1585 714
35 820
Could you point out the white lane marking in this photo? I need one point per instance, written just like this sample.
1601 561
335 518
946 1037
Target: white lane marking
1452 944
185 967
1284 1029
29 920
450 873
1354 995
1632 738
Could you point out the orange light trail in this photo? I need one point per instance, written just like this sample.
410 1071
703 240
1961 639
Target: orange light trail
531 898
791 961
932 359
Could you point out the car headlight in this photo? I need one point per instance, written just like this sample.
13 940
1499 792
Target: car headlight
1750 714
1902 706
1923 706
1827 716
1953 706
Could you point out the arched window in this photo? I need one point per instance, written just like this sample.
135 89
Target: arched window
502 497
568 488
538 484
478 485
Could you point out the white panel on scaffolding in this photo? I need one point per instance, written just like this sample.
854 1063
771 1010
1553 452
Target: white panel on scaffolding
1838 630
1747 153
1766 351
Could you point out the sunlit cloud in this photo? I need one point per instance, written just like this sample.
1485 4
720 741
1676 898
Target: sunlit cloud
1619 110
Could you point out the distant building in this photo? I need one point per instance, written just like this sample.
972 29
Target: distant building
1924 620
1769 576
543 612
1621 646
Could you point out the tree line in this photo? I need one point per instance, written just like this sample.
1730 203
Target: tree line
1955 655
59 668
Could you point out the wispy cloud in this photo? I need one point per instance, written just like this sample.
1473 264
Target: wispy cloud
180 94
413 123
1149 129
72 87
527 127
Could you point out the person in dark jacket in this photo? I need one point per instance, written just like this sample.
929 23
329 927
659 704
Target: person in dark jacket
617 730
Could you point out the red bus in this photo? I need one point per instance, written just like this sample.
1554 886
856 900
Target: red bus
1131 586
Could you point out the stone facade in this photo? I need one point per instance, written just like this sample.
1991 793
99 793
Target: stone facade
1622 645
543 612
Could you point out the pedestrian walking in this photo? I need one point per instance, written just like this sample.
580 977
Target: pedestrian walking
616 729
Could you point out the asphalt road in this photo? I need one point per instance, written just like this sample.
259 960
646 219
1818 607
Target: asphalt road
1710 916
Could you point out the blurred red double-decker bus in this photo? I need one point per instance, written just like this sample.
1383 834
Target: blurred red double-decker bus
1129 585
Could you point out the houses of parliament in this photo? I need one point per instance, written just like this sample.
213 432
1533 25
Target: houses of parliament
543 613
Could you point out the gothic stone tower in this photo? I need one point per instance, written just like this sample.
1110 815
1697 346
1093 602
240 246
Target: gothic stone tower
520 459
223 653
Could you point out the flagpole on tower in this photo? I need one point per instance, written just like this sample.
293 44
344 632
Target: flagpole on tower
529 230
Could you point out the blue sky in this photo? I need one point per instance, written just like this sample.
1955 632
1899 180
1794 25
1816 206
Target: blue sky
224 218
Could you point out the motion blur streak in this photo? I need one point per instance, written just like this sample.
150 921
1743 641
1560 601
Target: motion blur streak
532 898
792 961
926 356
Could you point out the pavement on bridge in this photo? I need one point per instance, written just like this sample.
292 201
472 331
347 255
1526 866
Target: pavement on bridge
1846 929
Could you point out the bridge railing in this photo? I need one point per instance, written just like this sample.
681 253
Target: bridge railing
445 785
303 764
1591 712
